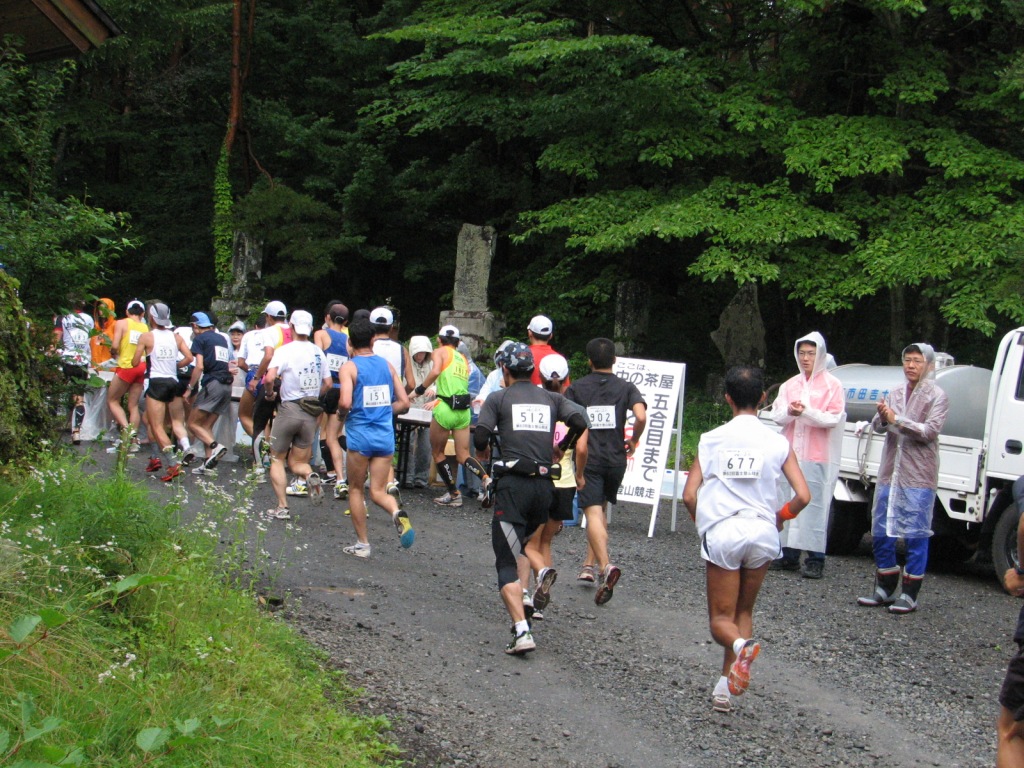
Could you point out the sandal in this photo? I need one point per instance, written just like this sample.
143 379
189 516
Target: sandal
279 513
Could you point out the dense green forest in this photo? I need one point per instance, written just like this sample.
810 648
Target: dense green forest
861 162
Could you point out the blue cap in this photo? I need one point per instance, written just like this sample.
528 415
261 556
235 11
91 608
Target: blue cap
202 319
517 357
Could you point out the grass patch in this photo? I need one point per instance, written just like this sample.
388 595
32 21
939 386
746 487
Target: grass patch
701 414
121 643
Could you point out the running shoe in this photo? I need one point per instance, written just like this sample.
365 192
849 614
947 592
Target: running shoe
315 489
394 491
406 535
521 644
449 501
587 574
188 456
216 453
358 549
76 437
542 594
297 488
537 615
259 474
134 447
528 609
279 513
739 673
609 579
487 493
155 465
721 703
341 490
172 472
202 471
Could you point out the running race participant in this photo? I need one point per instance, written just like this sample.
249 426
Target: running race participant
128 379
334 342
301 368
524 417
72 335
736 471
371 395
385 345
451 415
212 354
165 352
607 399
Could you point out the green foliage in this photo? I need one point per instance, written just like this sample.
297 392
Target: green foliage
27 422
223 229
162 662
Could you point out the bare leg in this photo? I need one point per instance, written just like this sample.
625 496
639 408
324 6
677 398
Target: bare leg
1010 746
597 535
731 597
115 391
357 468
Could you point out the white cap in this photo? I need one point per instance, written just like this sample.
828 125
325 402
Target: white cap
554 367
276 309
449 331
238 325
382 316
541 326
302 322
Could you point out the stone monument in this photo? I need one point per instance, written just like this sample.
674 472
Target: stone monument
478 326
243 292
739 336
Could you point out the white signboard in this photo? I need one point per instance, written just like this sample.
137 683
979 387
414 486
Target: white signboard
661 385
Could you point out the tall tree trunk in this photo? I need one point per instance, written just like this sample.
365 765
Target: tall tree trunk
235 113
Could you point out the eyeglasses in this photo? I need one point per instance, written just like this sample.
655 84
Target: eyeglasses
810 353
913 361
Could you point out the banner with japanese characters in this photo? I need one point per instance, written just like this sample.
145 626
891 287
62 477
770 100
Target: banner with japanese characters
661 385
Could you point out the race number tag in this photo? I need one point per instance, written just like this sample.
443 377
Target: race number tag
308 382
220 354
740 464
166 353
531 418
133 337
601 416
377 396
334 362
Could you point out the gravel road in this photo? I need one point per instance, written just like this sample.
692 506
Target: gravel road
422 632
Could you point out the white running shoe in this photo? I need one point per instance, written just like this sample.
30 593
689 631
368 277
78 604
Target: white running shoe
358 549
297 488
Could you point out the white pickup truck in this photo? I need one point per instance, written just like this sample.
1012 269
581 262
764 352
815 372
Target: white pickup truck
980 454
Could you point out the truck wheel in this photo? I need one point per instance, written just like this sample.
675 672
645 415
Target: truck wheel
1004 542
847 524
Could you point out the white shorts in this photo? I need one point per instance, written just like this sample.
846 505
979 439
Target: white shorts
744 540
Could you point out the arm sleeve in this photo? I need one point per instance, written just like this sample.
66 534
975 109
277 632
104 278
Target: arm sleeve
780 407
928 430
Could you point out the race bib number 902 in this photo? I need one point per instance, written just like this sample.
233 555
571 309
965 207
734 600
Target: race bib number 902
601 416
376 397
740 464
531 418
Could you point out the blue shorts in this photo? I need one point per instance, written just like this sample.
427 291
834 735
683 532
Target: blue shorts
374 454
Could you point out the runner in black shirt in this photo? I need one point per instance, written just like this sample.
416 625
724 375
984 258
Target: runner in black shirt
524 417
607 399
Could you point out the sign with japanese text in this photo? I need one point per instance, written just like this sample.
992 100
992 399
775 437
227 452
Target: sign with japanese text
660 383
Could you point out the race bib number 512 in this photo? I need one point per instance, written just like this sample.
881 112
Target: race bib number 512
740 464
531 418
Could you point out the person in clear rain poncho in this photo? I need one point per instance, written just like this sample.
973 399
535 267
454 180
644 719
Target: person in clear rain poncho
812 413
911 416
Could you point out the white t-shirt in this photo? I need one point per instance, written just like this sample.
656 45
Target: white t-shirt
741 462
302 368
252 347
393 352
75 330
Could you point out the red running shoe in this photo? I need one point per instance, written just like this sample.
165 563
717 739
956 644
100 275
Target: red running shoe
172 472
739 673
155 465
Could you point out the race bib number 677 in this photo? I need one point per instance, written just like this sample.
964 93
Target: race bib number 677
740 464
531 418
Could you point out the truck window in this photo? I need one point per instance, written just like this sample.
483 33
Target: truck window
1020 381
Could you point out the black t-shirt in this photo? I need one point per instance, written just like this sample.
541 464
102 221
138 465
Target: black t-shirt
607 399
524 417
216 353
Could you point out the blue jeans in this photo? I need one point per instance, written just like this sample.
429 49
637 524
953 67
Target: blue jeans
884 548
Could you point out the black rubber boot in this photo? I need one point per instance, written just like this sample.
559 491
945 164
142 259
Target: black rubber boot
907 602
887 581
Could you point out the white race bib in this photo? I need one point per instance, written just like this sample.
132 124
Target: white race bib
309 383
221 354
601 416
167 353
377 396
334 362
740 464
531 418
133 337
